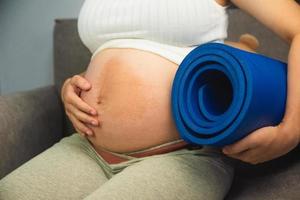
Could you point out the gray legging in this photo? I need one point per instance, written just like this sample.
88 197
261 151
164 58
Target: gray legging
71 169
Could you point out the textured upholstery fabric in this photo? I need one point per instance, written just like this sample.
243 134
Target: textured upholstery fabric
70 57
30 122
276 180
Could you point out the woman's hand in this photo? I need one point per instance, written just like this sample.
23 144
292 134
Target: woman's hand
79 112
265 144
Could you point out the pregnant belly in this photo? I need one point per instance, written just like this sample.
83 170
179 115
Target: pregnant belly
131 91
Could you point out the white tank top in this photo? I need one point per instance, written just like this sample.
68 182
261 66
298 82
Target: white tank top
181 23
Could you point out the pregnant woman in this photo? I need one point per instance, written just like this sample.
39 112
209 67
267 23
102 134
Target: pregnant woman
128 146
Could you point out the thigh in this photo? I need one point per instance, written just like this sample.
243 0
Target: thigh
187 176
64 171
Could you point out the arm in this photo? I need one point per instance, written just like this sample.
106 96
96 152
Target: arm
283 17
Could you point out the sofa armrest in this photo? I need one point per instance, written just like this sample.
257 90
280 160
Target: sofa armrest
30 122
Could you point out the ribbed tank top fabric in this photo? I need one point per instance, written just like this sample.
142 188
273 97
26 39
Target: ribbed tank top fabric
180 23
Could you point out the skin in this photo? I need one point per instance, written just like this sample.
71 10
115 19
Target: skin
262 145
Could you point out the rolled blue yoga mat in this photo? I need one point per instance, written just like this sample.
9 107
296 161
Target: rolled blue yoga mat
220 94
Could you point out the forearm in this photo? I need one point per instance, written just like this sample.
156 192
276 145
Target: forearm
292 113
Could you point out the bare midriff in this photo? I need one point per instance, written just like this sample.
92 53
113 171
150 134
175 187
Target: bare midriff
131 91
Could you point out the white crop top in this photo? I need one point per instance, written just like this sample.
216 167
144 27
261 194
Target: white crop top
180 23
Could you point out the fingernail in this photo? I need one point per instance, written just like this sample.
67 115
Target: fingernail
89 132
86 85
225 150
93 112
95 123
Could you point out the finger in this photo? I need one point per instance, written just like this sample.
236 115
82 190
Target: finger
81 105
252 156
64 89
244 144
80 126
74 123
79 132
80 82
83 117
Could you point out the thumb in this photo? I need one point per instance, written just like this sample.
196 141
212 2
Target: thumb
244 144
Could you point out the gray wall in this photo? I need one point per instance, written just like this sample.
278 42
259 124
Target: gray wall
26 28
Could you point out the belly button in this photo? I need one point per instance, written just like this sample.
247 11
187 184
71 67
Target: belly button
99 100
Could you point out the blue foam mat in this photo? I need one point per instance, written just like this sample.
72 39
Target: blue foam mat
220 94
